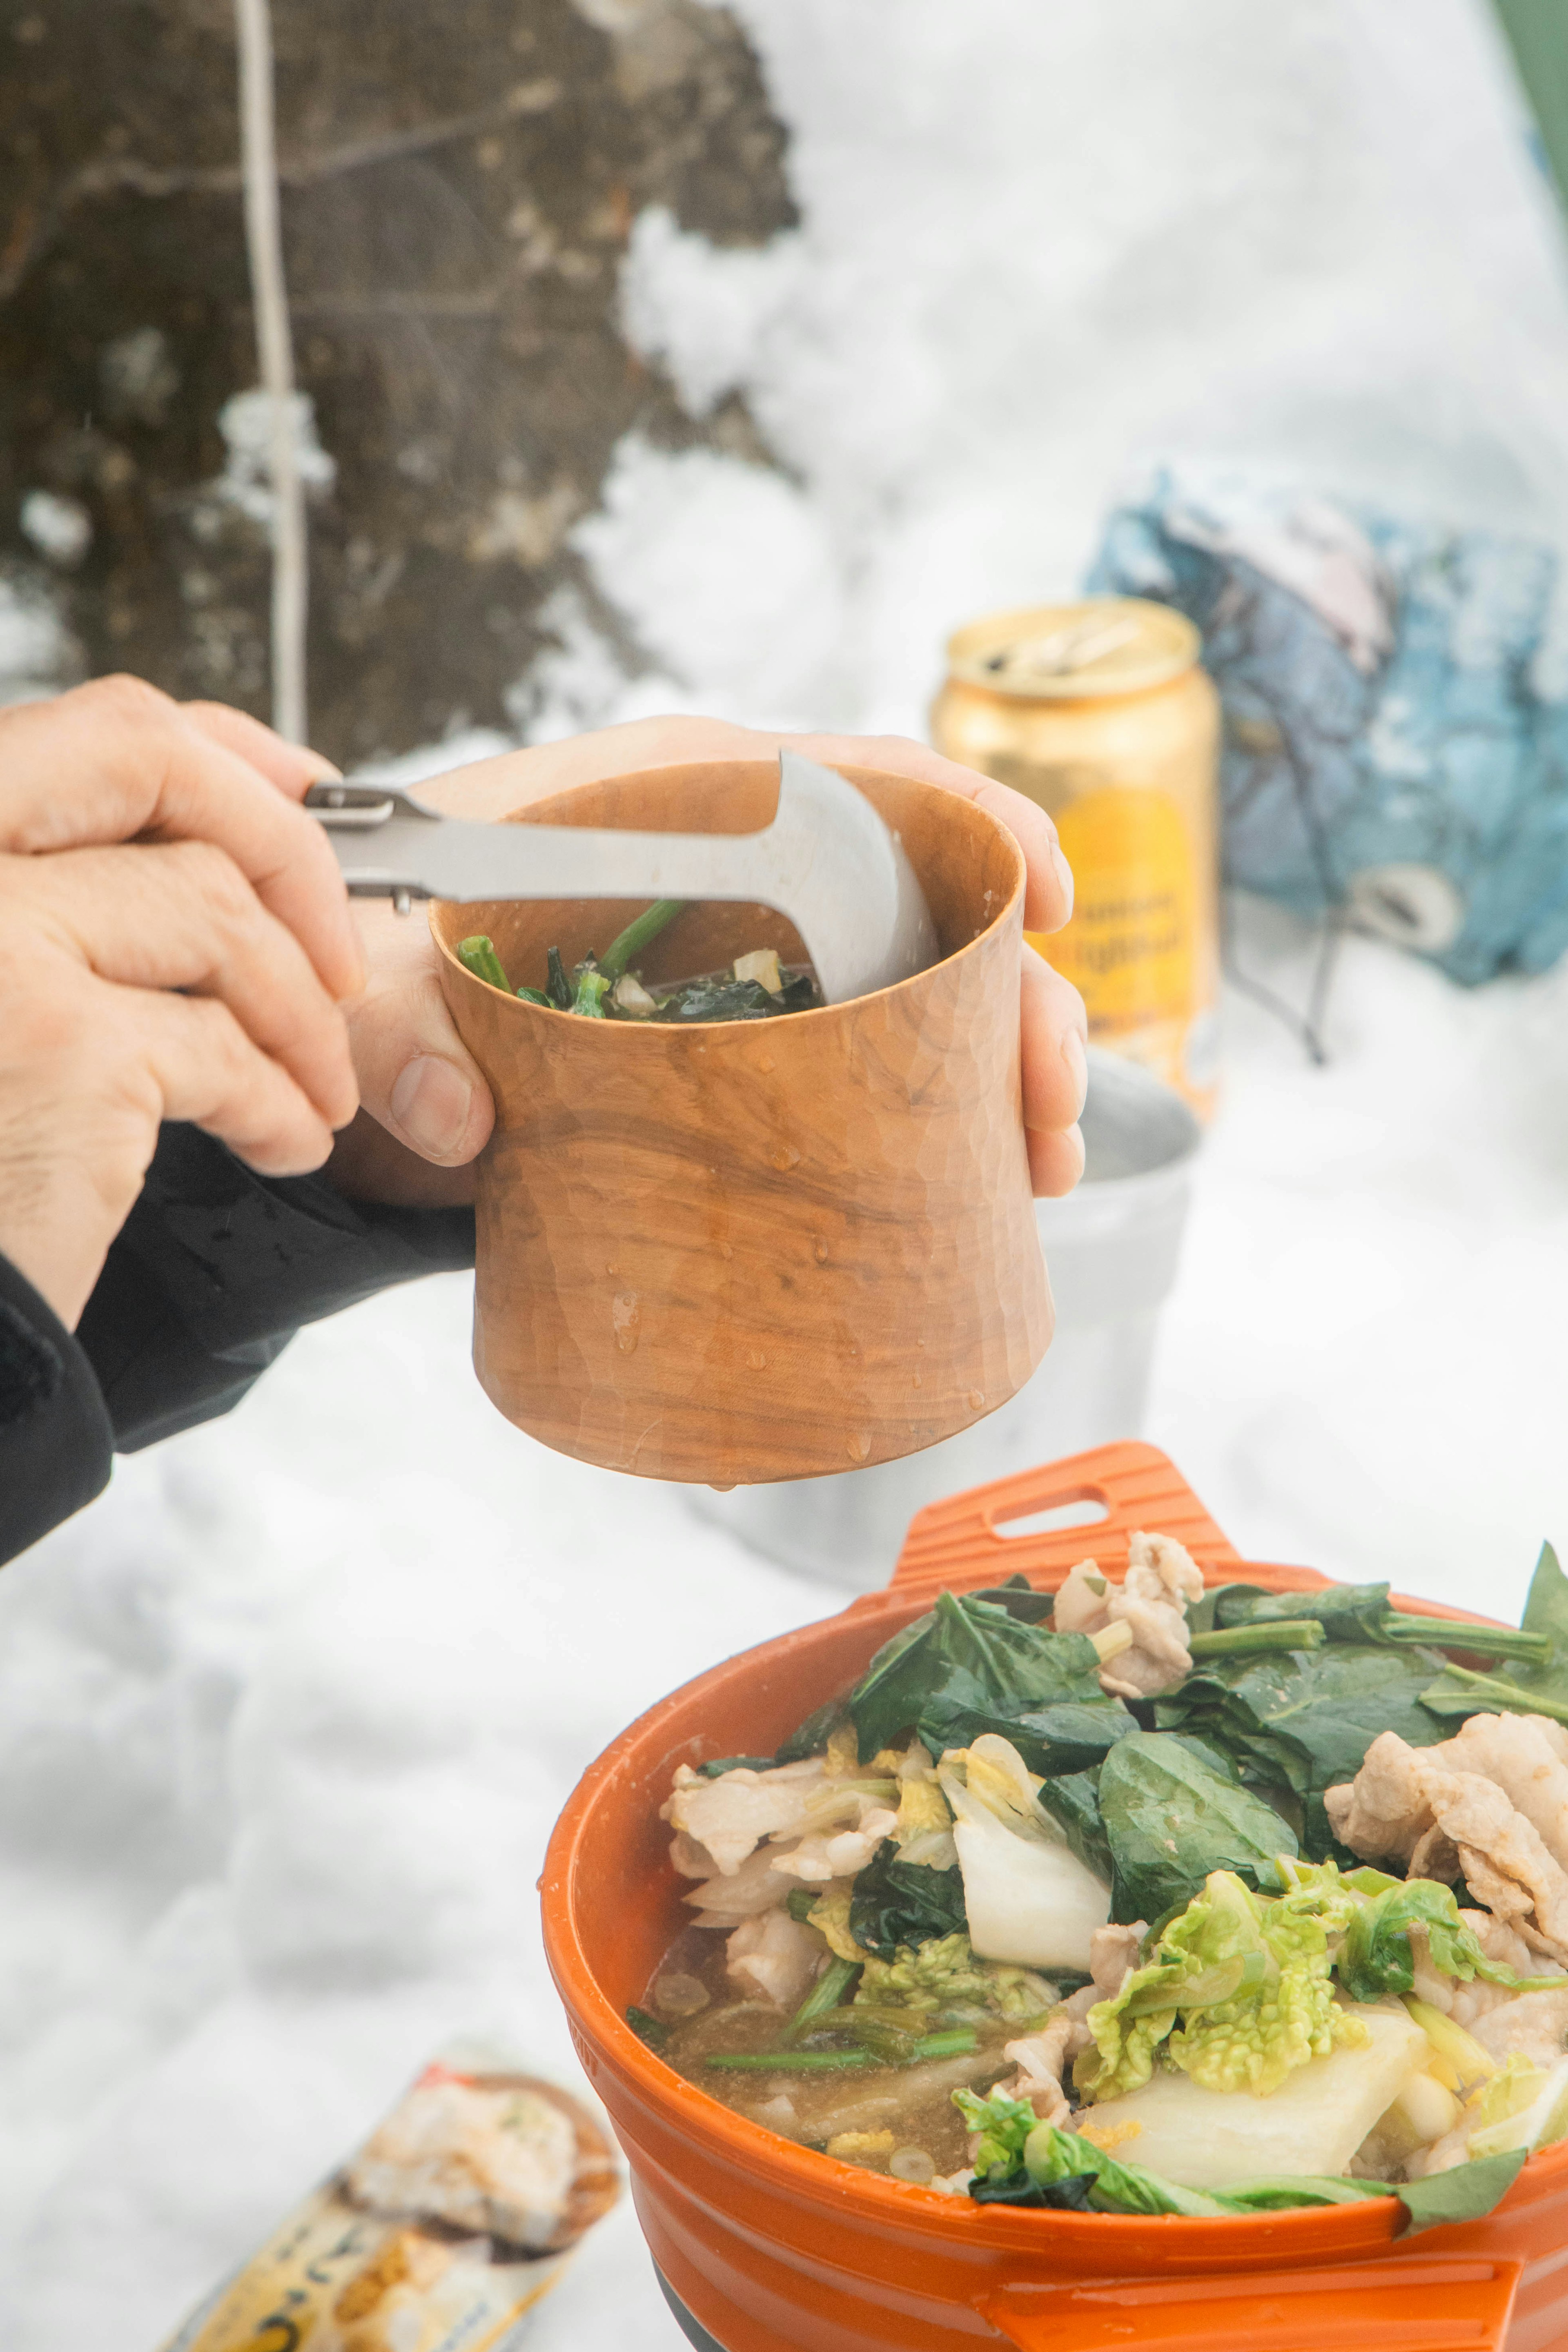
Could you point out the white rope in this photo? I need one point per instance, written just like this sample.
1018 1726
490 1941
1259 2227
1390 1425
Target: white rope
275 355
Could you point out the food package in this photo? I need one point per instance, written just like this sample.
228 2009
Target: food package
442 2231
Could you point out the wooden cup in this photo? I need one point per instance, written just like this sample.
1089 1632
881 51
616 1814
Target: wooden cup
739 1251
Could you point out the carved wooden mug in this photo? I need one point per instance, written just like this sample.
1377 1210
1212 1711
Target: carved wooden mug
730 1252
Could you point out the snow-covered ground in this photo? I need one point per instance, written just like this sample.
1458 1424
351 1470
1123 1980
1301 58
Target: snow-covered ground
285 1719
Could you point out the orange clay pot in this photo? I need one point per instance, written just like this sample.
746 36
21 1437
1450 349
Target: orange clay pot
767 2247
728 1252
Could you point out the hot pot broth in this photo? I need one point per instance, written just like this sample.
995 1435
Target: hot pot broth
907 2109
1148 1899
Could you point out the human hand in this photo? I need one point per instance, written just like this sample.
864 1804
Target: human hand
175 943
426 1109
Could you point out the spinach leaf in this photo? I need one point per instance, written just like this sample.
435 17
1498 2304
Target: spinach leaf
899 1903
1463 2194
813 1736
1525 1689
1347 1612
716 1765
1020 1599
1068 2195
1319 1711
972 1650
1169 1820
1050 1739
1073 1804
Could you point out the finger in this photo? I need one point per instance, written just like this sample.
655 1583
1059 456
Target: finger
1055 1162
415 1075
180 915
1048 887
132 766
205 1069
292 767
1053 1030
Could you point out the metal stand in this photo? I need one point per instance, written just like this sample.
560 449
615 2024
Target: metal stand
683 2319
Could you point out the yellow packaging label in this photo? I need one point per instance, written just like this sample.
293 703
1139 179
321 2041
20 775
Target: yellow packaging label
336 2280
423 2241
1131 947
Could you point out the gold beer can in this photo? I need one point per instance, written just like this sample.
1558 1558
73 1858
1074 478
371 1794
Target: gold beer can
1099 711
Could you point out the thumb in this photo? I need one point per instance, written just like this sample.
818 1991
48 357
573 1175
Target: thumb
416 1078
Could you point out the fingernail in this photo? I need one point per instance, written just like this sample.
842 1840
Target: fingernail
325 772
432 1102
1063 873
1077 1061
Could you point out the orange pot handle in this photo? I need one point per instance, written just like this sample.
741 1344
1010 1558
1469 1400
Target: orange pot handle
955 1542
1407 2305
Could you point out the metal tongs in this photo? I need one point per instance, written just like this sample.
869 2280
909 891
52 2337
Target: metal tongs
828 862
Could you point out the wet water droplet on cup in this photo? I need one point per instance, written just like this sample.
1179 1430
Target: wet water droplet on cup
977 1399
627 1316
917 1379
725 1251
612 1267
859 1446
756 1360
819 1250
765 1063
786 1156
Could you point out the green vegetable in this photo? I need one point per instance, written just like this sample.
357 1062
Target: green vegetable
1073 1804
1489 1641
1464 2194
1021 2162
1170 1820
791 2061
1019 1599
954 2044
559 986
591 991
891 2033
812 1737
478 956
933 1974
1255 1640
827 1994
804 2061
1460 1691
533 996
1305 1720
717 1764
1071 1738
898 1905
1285 2189
974 1652
1236 1993
640 933
1529 1689
647 2028
1003 2125
723 1000
1376 1958
1051 2155
802 1900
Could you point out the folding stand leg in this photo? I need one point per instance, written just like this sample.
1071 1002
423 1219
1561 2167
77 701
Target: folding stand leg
689 2328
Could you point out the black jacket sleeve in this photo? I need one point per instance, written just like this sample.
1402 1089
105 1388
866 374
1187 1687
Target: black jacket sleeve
214 1271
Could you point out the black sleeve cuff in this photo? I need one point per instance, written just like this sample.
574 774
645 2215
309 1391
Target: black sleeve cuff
56 1441
217 1267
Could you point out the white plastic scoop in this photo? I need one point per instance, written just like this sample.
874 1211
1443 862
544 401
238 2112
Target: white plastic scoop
827 861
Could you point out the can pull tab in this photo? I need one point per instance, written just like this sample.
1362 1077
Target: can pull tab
1390 2306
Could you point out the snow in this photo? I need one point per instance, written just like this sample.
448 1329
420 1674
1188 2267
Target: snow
286 1717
